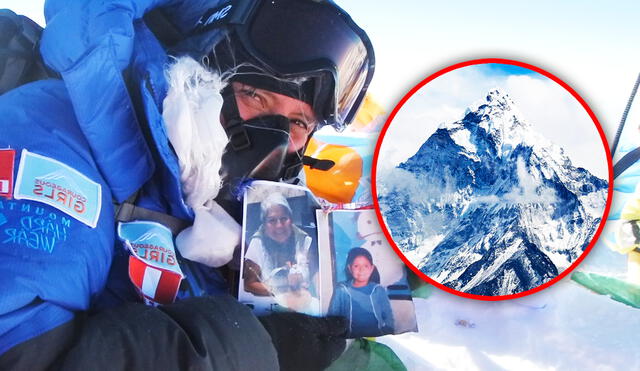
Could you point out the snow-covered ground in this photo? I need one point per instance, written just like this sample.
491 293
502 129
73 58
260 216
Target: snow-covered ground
565 327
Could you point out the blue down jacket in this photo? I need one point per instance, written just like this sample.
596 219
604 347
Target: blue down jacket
346 298
85 132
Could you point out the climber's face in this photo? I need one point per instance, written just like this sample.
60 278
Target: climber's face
253 102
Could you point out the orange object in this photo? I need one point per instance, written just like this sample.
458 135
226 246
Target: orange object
338 184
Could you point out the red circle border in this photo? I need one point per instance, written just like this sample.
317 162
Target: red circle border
432 77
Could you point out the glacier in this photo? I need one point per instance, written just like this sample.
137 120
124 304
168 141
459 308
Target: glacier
488 206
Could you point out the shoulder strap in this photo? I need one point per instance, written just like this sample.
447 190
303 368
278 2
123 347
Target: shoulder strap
165 31
631 157
634 90
168 35
128 211
20 60
625 162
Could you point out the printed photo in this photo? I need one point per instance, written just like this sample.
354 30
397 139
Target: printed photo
366 281
280 255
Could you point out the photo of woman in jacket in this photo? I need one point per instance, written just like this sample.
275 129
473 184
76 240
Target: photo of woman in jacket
276 247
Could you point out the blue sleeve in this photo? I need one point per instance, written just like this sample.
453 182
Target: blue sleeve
77 30
384 305
90 43
338 306
52 264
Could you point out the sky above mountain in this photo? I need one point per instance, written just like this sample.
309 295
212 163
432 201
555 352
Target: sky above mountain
554 112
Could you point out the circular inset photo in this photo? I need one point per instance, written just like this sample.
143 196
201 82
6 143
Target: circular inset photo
492 179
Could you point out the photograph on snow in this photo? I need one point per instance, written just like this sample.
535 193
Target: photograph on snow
492 179
364 280
280 255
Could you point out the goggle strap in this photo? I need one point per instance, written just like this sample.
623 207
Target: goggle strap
165 31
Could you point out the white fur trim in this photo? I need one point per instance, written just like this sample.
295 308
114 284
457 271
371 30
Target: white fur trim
191 112
212 238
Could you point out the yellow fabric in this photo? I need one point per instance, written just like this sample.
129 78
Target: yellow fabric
622 249
631 210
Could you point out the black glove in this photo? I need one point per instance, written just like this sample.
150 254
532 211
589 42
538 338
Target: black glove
304 342
208 333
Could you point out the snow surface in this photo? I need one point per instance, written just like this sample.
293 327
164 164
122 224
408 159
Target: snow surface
426 247
565 327
463 139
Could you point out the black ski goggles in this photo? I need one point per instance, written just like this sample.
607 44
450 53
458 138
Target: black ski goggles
305 40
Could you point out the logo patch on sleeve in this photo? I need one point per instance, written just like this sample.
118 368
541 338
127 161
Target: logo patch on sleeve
49 181
7 158
153 265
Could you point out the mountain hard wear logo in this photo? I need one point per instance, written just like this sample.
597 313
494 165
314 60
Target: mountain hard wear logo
214 15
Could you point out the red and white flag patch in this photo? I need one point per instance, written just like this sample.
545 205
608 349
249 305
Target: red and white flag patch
7 158
156 285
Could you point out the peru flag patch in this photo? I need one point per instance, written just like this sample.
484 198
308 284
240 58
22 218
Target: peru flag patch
7 158
157 286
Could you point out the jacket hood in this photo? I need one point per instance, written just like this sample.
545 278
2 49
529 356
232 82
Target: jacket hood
91 44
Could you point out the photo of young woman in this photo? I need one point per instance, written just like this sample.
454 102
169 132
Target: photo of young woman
361 299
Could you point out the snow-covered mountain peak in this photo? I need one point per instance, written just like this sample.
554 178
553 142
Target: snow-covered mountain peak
496 111
492 125
495 101
489 206
500 118
497 96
